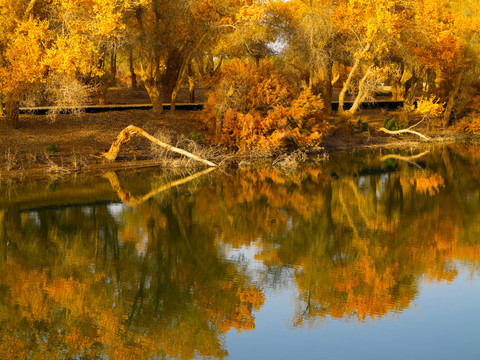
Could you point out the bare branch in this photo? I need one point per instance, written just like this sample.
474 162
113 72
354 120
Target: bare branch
131 131
403 131
29 8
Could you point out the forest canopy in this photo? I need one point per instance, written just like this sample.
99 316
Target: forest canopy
66 53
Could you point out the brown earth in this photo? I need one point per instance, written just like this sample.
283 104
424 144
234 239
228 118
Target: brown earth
76 142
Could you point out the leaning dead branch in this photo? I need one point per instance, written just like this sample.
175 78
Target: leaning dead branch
403 131
404 158
408 159
131 131
127 197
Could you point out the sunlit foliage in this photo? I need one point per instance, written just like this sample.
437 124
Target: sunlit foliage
259 106
43 40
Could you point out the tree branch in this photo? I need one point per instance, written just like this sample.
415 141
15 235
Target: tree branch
127 197
131 131
29 9
403 131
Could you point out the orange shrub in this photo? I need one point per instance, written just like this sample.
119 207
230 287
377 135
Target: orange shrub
468 124
259 106
471 122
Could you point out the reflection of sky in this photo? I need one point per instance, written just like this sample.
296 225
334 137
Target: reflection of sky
443 323
117 209
276 278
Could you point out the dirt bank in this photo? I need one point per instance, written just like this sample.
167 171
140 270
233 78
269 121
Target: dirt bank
76 143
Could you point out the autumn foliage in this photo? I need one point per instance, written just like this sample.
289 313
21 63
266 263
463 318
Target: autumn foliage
259 106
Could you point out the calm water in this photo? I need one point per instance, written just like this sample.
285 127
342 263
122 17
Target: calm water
354 258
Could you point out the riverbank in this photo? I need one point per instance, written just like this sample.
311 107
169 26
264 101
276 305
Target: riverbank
75 143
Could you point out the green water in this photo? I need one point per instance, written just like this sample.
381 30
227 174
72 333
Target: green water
356 257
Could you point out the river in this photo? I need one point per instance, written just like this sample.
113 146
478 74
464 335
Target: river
371 255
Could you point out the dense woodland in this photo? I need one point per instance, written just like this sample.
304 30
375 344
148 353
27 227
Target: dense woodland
272 67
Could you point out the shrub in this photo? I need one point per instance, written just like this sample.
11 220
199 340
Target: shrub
52 149
468 124
430 108
392 124
259 106
358 127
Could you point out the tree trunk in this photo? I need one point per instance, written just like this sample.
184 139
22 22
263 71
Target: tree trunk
451 99
178 63
108 78
2 112
191 88
362 94
341 98
132 69
311 66
113 65
172 72
397 93
156 94
210 65
327 88
180 76
409 89
410 82
12 109
131 131
102 92
430 88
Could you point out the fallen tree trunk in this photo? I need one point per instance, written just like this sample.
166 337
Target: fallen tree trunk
408 159
131 200
403 131
404 158
131 131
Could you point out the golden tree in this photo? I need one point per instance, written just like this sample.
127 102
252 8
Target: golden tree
169 33
44 39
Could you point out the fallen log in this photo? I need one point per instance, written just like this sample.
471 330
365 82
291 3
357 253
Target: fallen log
408 159
131 131
131 200
402 131
404 158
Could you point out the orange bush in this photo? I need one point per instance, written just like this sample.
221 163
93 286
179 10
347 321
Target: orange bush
258 106
471 122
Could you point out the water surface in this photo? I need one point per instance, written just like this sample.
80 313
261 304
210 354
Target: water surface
356 257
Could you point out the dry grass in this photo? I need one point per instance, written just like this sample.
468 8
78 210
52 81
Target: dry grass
52 167
290 162
10 159
199 148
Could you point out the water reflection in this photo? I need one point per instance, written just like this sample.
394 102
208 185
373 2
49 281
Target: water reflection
355 237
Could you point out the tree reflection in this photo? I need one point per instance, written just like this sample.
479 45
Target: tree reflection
158 279
119 282
361 240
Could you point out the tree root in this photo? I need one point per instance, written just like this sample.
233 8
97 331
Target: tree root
131 131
